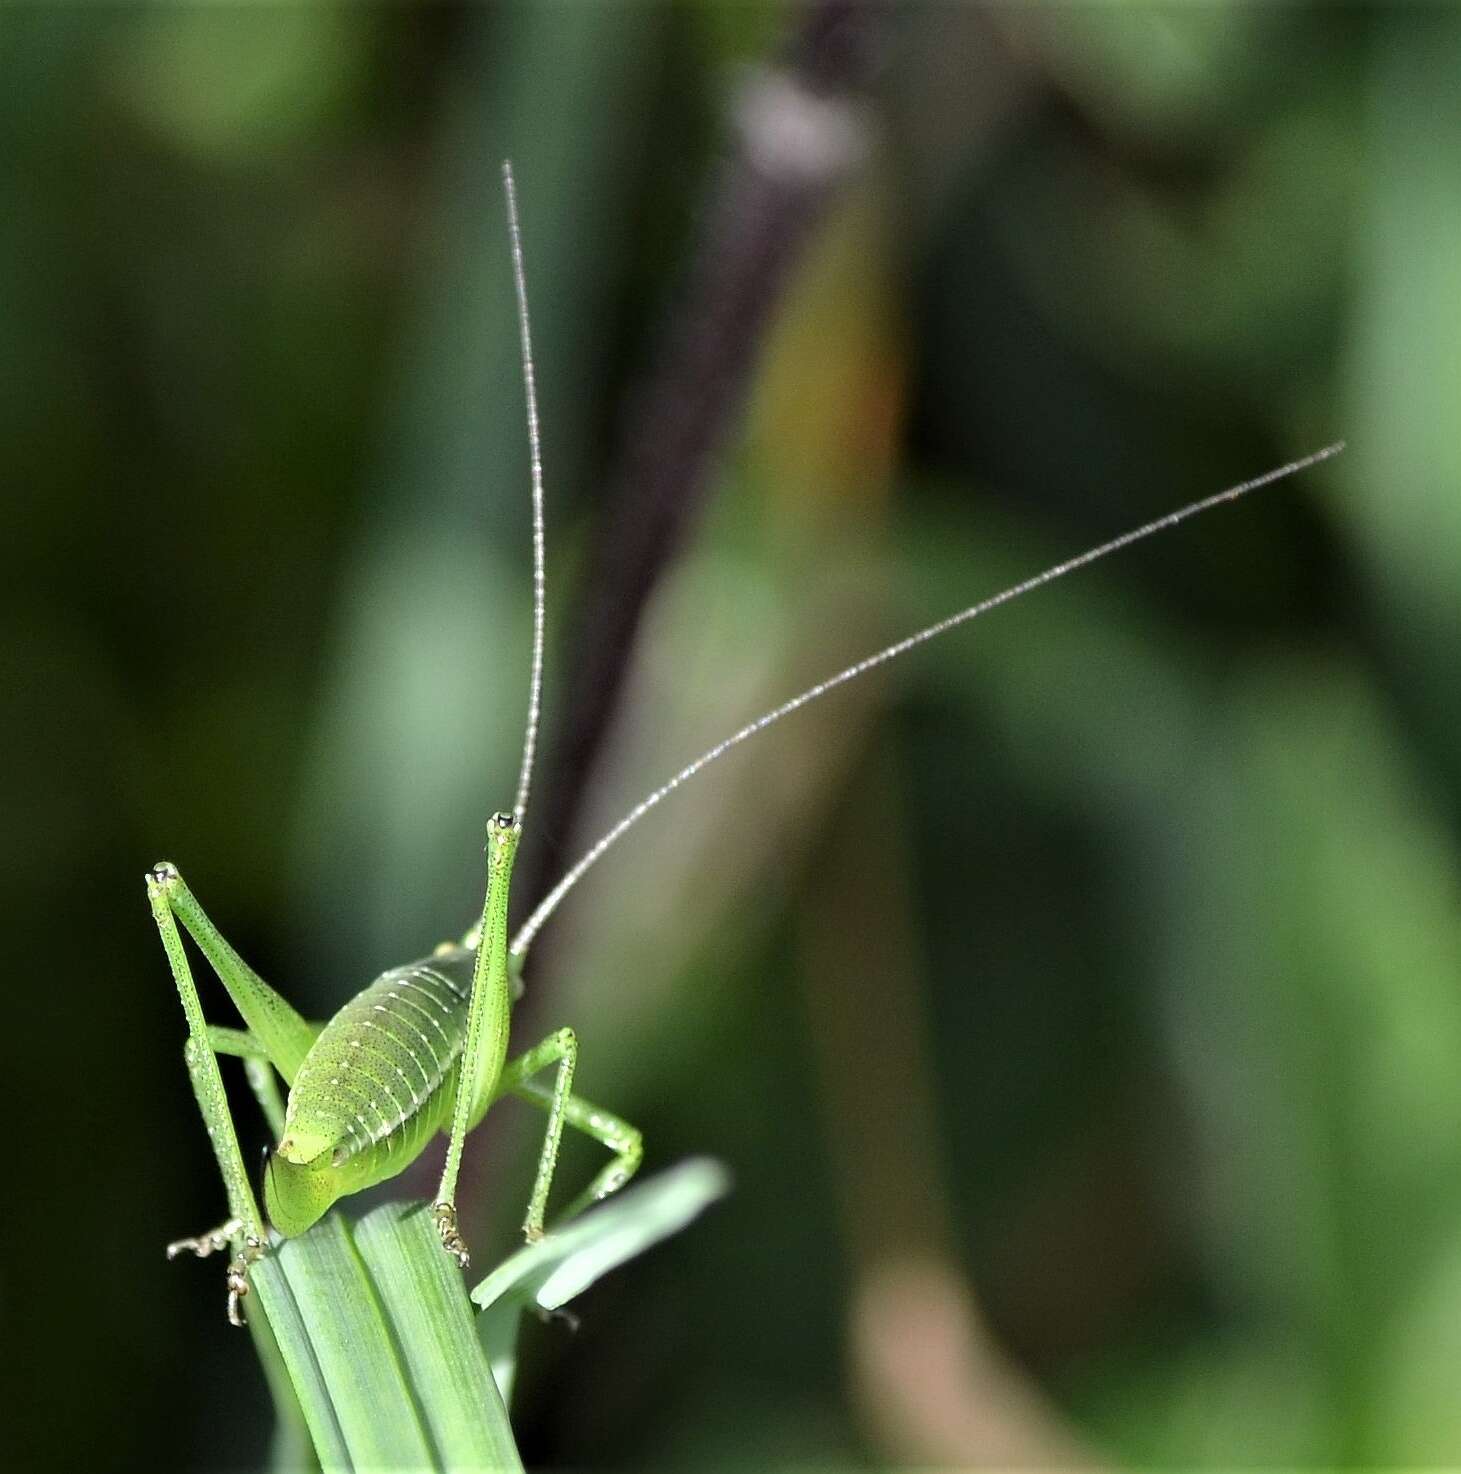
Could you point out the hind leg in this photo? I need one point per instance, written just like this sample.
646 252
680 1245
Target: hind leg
262 1082
245 1230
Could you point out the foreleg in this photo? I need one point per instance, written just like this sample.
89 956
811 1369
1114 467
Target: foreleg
484 1048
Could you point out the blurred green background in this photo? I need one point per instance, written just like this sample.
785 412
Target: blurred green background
1078 1004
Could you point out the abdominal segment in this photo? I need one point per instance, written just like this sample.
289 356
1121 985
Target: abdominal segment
374 1088
298 1194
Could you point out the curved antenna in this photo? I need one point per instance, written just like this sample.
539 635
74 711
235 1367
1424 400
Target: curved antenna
535 451
550 903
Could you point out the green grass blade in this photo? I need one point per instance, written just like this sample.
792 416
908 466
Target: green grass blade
350 1357
292 1447
568 1260
271 1293
422 1295
375 1329
377 1334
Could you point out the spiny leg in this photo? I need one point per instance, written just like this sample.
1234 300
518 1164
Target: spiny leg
237 1226
284 1033
208 1088
485 1046
560 1049
610 1131
258 1070
215 1241
262 1081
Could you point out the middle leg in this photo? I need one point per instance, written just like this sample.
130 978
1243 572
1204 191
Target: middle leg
612 1132
560 1049
564 1107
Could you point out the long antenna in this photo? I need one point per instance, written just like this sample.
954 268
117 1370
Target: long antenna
535 450
550 903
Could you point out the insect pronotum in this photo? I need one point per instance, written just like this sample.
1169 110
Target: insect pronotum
424 1048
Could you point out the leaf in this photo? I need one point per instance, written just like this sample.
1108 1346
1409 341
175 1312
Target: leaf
549 1273
377 1335
423 1297
567 1261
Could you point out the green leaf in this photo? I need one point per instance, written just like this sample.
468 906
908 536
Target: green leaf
376 1332
375 1329
423 1297
549 1273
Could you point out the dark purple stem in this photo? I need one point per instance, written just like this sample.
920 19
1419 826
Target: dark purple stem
799 134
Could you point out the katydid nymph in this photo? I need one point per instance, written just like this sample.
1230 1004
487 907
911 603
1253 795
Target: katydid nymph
424 1048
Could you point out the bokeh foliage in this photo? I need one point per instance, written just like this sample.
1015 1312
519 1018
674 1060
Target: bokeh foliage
1078 1005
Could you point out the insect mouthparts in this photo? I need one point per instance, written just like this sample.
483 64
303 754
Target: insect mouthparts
300 1148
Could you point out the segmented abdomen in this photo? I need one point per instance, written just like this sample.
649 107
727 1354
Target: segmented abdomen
379 1080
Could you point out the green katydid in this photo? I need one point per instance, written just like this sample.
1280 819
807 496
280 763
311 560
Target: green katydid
425 1046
